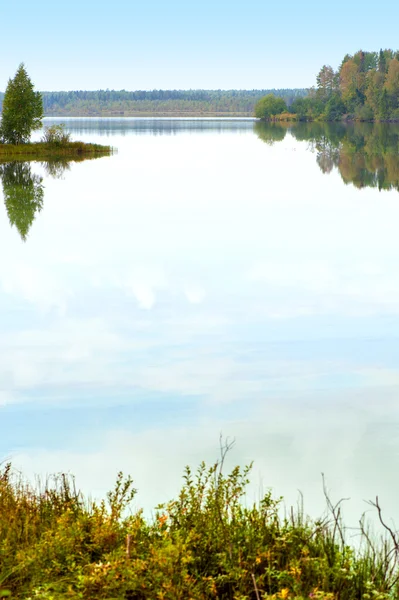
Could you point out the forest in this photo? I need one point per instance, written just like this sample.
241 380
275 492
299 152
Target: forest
365 87
169 102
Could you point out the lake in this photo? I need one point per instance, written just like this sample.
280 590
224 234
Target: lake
212 277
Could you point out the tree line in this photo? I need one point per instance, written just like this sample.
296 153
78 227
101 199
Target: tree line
365 87
125 103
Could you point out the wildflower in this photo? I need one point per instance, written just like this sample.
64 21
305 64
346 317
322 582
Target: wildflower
284 593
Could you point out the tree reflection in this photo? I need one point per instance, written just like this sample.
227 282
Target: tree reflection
23 190
56 168
365 154
23 195
270 132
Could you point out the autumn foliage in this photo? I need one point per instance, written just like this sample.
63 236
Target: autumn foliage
365 87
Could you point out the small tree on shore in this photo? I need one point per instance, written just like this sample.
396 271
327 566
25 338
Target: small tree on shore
22 109
268 106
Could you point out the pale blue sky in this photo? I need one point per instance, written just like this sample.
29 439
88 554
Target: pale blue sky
89 44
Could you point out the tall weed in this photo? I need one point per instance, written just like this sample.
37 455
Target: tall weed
207 543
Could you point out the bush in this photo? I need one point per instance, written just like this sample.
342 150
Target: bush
206 544
364 113
56 134
269 106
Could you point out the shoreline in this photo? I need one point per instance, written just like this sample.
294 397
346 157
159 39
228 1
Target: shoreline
292 118
209 115
48 151
155 114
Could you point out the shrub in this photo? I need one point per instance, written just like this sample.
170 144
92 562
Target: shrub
364 113
206 544
269 106
56 134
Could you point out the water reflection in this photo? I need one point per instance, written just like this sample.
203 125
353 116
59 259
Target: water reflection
365 154
153 126
270 132
56 168
23 195
23 190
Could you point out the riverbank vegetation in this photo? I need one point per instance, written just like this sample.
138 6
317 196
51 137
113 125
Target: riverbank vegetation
365 87
208 543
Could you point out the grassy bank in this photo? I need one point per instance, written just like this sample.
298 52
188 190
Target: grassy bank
51 151
56 544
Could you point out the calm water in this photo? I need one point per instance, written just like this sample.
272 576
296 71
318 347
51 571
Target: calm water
211 277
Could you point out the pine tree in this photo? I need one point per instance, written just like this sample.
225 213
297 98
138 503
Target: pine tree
382 62
22 109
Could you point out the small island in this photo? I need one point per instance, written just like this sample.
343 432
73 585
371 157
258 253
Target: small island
74 151
22 114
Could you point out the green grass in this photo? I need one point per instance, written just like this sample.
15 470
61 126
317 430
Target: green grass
48 151
205 544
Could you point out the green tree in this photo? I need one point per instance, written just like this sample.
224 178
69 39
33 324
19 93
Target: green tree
351 83
268 106
300 107
392 82
22 109
382 62
335 108
326 82
375 83
383 106
366 60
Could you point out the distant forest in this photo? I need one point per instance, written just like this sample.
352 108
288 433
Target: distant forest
163 102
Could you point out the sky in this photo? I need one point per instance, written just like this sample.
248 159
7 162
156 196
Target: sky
132 45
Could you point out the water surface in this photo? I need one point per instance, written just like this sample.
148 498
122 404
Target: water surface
211 277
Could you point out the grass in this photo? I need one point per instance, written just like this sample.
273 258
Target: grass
51 151
205 544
